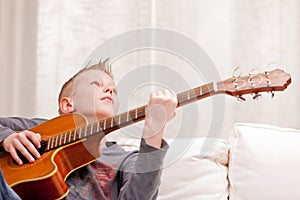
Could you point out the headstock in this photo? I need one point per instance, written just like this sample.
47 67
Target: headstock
275 80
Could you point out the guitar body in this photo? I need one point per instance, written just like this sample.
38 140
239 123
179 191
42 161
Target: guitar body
45 178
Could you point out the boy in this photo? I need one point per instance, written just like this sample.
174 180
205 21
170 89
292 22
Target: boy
116 174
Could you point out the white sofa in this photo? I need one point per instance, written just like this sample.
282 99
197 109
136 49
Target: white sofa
257 162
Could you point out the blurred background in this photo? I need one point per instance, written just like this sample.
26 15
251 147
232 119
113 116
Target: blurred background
43 43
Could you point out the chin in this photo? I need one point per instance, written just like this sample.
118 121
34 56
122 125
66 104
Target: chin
104 115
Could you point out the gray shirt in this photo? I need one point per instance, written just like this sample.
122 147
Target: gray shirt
117 174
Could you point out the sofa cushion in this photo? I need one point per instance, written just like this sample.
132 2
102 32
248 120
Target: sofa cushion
195 168
264 162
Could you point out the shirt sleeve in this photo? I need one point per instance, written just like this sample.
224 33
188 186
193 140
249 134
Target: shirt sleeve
9 125
141 172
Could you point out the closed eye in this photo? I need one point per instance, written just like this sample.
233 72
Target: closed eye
96 83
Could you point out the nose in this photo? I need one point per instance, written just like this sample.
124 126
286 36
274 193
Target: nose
108 89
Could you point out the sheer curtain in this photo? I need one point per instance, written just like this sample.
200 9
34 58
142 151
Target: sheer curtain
18 57
44 42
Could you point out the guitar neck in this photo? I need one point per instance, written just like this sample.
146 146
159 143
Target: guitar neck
275 80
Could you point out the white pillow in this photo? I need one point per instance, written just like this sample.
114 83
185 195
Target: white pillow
195 168
264 163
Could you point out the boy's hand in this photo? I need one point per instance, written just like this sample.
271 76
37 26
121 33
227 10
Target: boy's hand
25 142
160 110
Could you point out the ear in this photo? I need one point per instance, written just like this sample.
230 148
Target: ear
66 105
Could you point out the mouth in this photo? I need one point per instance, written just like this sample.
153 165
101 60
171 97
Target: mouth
108 99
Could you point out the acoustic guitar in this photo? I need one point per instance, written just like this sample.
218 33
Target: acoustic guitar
69 143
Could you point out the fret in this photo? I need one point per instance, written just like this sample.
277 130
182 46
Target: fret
65 137
111 122
48 144
85 130
188 95
60 140
91 132
69 136
104 126
119 119
200 91
74 137
98 126
127 117
136 114
79 134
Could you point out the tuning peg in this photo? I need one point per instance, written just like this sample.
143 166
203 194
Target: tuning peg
268 82
267 73
272 93
235 85
240 98
256 96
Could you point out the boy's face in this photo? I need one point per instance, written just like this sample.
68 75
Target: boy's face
95 95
